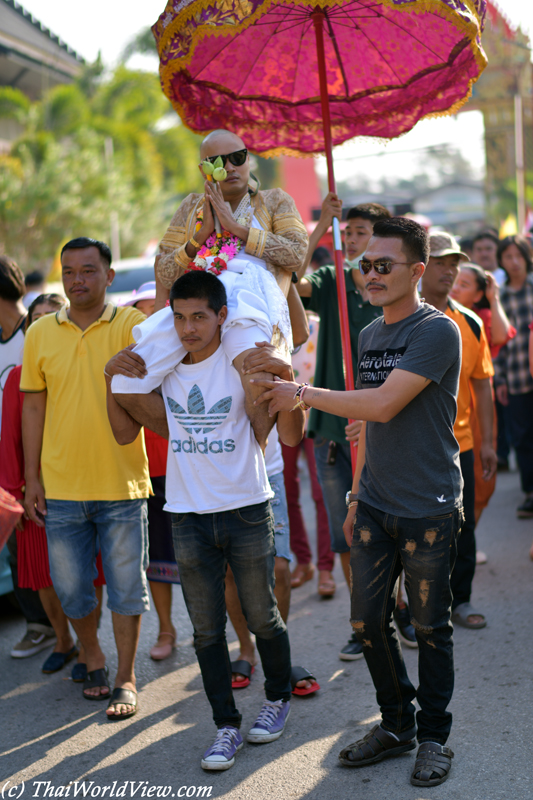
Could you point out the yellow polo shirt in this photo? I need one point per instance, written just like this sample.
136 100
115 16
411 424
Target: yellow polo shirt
80 458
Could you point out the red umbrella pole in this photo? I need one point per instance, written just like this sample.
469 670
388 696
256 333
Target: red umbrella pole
318 21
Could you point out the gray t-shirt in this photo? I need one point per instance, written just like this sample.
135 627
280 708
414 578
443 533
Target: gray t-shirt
412 462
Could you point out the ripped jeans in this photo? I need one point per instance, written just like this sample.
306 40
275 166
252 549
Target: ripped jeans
425 549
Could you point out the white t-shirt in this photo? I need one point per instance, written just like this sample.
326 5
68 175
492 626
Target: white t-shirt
273 454
500 276
214 461
10 356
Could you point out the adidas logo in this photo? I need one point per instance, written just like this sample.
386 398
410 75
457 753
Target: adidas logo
195 419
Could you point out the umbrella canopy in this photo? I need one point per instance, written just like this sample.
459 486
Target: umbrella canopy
252 66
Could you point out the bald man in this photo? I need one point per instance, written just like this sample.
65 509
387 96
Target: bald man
272 243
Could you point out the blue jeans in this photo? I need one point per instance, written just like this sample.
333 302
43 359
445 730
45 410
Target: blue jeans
204 544
425 549
335 480
75 530
465 563
282 535
520 418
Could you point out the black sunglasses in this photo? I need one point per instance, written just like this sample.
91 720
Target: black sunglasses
380 266
237 158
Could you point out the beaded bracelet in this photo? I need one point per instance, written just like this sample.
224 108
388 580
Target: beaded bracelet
298 395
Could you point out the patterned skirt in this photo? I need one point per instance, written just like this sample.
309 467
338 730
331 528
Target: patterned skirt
162 567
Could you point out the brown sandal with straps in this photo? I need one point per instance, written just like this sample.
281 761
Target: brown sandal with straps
433 764
376 745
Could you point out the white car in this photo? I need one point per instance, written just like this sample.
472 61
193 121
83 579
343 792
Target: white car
130 274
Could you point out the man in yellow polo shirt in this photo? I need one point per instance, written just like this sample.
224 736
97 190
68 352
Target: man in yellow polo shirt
476 372
93 491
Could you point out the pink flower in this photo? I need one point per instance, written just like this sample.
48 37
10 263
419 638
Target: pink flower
229 249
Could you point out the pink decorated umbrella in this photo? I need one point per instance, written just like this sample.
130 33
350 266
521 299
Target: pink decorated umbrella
300 76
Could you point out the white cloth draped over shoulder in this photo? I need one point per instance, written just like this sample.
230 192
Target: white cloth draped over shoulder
257 311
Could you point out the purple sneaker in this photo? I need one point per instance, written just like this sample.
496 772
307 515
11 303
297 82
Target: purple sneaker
270 723
221 754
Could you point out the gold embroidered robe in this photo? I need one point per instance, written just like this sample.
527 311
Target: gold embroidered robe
282 243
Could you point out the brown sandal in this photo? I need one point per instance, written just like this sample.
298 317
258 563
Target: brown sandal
326 584
376 745
433 764
302 574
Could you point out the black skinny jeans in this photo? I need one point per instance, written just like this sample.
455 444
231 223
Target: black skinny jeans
425 549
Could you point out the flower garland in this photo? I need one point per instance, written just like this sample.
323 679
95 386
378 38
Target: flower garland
222 246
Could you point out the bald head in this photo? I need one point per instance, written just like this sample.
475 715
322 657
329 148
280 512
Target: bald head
220 141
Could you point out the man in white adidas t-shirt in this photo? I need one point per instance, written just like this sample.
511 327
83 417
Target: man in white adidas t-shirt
218 493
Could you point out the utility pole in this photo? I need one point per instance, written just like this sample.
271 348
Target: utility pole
115 228
519 163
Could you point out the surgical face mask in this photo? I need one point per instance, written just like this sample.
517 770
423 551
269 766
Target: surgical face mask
353 263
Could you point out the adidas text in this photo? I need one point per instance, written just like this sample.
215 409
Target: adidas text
190 446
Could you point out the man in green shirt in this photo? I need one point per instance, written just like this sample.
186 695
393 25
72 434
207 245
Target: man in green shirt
332 435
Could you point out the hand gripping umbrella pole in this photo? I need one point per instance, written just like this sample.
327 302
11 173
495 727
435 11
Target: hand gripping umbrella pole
318 17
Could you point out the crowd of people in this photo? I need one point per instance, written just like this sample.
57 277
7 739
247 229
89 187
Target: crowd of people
160 443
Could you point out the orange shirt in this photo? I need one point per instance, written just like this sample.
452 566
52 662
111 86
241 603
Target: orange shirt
476 363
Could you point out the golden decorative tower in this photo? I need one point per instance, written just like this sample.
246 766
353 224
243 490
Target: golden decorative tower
509 74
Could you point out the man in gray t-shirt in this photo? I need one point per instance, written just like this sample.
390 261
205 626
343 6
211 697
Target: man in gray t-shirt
412 462
405 510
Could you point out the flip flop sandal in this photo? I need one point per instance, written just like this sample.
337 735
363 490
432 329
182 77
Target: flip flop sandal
433 764
57 661
79 672
373 747
125 696
327 588
96 677
461 613
242 668
302 674
302 574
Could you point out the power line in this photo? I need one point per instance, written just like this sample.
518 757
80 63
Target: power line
430 147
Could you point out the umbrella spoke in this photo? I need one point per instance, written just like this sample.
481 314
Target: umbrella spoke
304 31
378 51
412 36
333 39
258 56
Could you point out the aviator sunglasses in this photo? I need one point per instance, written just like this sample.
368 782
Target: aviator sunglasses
237 158
381 266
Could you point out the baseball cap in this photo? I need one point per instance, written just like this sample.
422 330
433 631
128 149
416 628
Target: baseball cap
444 244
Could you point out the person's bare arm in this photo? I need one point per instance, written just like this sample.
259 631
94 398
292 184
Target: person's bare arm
128 413
352 509
372 405
125 428
499 323
161 292
33 416
331 207
146 410
304 287
485 411
265 358
299 323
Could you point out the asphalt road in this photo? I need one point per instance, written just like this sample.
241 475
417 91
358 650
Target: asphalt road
50 737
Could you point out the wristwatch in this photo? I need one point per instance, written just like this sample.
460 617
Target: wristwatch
351 498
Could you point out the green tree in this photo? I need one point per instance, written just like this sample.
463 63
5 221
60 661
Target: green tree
58 182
